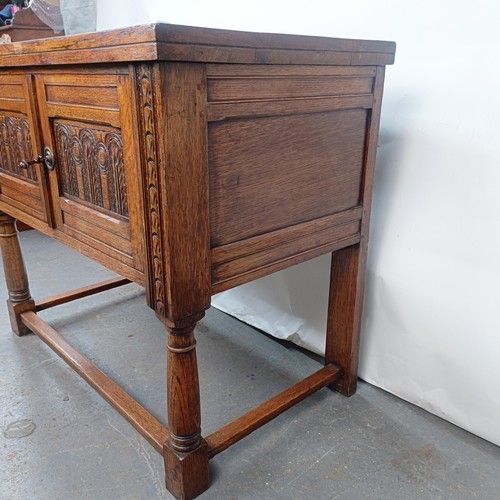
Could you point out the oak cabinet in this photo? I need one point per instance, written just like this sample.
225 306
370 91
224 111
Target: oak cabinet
192 160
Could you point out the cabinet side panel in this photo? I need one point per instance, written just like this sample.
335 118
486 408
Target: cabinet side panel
286 156
270 173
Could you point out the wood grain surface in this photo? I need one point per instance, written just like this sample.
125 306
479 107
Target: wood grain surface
299 167
192 160
184 43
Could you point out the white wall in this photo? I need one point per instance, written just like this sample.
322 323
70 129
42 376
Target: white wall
431 329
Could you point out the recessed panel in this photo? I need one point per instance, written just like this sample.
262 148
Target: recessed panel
90 165
15 146
271 173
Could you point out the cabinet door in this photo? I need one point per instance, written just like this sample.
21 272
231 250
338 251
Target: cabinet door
21 189
86 122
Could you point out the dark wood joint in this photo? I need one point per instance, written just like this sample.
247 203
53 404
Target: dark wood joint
345 385
182 326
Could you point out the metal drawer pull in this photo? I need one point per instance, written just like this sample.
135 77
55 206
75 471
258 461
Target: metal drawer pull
47 159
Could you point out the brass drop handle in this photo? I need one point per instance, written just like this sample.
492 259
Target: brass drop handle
47 159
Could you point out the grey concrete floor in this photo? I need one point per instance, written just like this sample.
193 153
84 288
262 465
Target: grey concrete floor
60 440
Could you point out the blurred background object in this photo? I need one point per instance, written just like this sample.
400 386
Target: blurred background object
49 12
30 19
23 20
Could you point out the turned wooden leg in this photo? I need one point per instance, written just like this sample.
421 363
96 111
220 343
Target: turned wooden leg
15 274
344 315
186 452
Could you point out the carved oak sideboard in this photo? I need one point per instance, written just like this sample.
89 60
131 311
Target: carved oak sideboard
189 161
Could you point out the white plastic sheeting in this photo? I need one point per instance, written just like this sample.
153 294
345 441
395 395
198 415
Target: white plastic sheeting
431 330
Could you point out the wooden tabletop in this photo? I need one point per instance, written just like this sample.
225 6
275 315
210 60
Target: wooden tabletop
168 42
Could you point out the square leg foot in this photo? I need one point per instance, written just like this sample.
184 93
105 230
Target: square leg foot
186 474
15 310
345 386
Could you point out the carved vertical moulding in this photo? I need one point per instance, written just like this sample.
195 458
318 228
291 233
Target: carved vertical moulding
91 166
145 92
15 146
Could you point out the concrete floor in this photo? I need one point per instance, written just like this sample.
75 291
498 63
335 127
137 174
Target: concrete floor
60 440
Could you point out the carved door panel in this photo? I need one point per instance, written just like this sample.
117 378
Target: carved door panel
85 119
23 189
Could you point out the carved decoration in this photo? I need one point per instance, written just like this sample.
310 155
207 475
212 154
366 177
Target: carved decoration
156 292
15 146
91 167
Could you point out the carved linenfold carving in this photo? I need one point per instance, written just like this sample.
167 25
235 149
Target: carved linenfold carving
91 167
156 293
15 146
